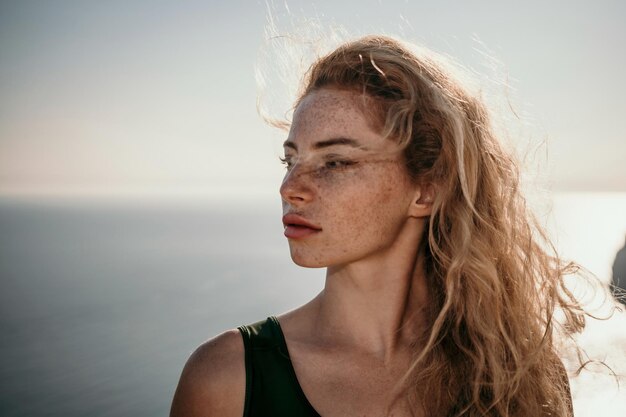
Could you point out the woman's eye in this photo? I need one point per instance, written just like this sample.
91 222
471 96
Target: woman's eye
286 162
336 164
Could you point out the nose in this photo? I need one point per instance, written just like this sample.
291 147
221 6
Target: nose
296 188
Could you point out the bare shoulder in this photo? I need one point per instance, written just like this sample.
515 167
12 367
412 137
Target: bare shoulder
213 381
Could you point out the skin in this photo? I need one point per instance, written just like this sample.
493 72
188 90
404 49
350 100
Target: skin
353 342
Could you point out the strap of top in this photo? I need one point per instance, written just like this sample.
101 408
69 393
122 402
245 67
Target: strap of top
272 388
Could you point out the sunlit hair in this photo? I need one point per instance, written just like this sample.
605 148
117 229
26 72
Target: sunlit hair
495 281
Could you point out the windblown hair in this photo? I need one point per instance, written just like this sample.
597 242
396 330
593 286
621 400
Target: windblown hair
494 279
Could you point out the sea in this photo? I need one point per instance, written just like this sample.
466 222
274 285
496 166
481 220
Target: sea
102 300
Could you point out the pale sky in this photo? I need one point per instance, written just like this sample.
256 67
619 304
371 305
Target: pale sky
103 96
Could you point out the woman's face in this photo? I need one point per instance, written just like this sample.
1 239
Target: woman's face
346 193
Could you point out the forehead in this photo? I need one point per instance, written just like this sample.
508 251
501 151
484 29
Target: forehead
330 113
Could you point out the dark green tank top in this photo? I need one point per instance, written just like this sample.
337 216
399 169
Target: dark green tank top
272 389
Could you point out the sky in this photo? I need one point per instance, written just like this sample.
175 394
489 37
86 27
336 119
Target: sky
134 96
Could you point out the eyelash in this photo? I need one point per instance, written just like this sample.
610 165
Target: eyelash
338 164
328 165
285 161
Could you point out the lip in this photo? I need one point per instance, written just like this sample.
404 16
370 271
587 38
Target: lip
297 227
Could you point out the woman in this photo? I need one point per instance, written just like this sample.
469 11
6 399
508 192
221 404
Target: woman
439 295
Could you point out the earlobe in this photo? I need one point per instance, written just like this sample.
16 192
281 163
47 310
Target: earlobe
422 203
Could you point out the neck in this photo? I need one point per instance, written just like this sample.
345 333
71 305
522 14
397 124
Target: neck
377 304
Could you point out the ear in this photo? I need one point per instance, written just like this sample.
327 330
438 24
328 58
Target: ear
422 202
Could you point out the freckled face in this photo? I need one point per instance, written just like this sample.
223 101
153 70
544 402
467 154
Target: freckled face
343 178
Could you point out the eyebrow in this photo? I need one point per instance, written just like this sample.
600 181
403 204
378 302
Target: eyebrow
328 143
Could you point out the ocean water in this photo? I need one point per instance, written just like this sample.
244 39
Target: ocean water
101 302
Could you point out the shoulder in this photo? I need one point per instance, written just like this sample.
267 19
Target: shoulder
213 381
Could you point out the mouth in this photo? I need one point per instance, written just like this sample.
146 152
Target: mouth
297 227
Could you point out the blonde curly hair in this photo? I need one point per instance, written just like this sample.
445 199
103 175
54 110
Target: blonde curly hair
490 349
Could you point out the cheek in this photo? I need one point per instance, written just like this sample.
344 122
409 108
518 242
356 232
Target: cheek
367 207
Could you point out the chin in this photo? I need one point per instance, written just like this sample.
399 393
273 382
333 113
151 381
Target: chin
307 260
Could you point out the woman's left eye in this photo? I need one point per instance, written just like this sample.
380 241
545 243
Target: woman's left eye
336 164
